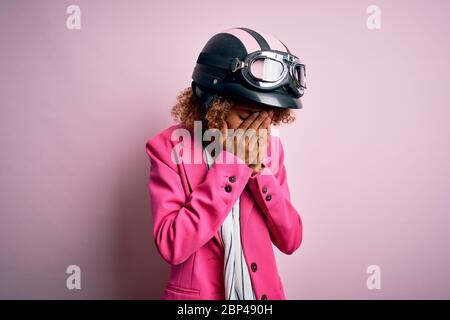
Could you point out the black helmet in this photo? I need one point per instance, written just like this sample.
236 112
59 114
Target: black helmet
241 63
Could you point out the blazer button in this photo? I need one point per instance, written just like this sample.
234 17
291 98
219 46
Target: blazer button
264 189
263 297
254 267
268 197
228 188
232 179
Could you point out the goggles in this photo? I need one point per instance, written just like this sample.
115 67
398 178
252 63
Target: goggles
264 70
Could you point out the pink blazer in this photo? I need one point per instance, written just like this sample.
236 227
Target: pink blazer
186 223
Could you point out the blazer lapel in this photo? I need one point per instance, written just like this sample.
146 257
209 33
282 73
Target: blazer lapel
195 167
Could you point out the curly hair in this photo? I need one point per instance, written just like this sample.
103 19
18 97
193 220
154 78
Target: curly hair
188 109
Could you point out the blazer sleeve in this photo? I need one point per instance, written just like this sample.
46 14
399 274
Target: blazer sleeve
271 192
184 224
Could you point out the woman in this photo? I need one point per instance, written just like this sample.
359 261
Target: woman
216 216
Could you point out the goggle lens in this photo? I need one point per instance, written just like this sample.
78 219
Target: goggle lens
266 69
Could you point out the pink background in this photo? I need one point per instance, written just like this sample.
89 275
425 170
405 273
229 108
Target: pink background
367 159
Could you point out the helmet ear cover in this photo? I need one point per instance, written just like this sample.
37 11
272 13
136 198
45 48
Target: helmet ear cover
204 96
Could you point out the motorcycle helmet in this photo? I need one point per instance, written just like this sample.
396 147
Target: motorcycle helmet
241 63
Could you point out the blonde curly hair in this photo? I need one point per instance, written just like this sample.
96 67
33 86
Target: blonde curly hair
188 109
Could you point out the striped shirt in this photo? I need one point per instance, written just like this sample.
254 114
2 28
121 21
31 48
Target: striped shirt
238 284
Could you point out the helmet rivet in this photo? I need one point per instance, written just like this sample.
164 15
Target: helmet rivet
215 81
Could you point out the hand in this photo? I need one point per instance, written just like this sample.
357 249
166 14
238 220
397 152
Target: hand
252 139
259 146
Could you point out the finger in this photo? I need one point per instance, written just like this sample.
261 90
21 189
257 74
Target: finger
247 122
262 146
262 124
224 133
259 120
223 127
263 138
264 128
266 123
240 143
253 149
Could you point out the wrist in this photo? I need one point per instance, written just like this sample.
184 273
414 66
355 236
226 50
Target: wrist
258 167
